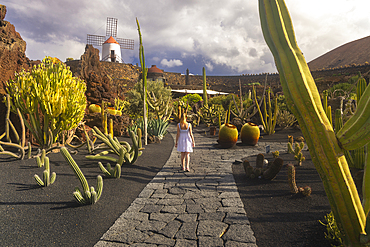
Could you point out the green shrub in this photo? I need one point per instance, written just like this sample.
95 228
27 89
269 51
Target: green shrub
191 98
51 97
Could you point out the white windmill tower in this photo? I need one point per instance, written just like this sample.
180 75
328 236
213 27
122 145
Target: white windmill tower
111 46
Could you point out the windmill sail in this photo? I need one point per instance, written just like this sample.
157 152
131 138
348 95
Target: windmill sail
95 40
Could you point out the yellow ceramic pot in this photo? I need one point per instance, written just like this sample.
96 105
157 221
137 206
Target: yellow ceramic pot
250 134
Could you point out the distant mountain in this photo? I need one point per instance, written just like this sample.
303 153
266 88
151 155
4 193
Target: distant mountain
355 52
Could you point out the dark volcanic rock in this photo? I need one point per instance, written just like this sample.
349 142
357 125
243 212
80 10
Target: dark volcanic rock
12 59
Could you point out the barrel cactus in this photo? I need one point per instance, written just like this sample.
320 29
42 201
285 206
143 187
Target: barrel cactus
250 134
228 136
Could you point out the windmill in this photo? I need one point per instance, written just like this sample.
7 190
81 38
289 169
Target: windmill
111 46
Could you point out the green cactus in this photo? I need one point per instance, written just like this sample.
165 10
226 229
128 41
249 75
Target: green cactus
20 145
324 145
144 72
40 160
48 178
51 89
163 109
327 108
109 171
205 96
361 86
275 154
260 160
291 179
297 150
128 155
247 168
274 169
269 118
210 114
88 195
241 113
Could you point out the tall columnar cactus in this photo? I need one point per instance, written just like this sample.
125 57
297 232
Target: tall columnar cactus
325 147
48 178
327 108
205 96
88 195
361 86
269 119
144 78
291 179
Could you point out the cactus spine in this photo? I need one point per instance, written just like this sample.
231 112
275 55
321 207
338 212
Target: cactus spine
205 96
88 195
304 100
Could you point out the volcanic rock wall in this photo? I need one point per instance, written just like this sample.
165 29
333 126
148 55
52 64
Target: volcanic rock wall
12 59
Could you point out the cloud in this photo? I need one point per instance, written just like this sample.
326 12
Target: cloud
171 63
225 38
209 66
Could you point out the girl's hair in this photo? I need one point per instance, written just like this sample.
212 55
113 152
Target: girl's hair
183 116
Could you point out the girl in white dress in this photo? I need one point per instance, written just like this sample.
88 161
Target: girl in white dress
184 141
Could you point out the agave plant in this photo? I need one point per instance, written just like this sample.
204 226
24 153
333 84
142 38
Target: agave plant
158 127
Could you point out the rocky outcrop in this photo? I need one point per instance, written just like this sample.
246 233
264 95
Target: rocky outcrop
12 51
98 82
12 58
99 87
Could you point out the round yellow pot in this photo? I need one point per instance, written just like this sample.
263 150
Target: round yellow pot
250 134
228 136
94 108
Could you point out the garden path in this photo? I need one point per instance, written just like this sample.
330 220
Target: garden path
197 208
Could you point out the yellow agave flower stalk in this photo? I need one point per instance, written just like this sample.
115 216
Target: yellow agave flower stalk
49 89
304 100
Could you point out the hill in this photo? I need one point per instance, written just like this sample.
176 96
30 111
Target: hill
352 53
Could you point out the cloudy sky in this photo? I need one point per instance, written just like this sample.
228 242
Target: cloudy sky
223 36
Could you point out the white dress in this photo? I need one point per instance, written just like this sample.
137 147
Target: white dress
184 143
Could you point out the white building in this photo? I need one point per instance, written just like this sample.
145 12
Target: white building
111 51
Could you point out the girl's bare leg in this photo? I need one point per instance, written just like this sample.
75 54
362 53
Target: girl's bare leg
183 156
187 155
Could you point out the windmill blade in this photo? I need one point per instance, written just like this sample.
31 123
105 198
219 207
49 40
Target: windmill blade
126 43
111 27
95 39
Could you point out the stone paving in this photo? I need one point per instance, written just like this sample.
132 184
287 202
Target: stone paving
197 208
